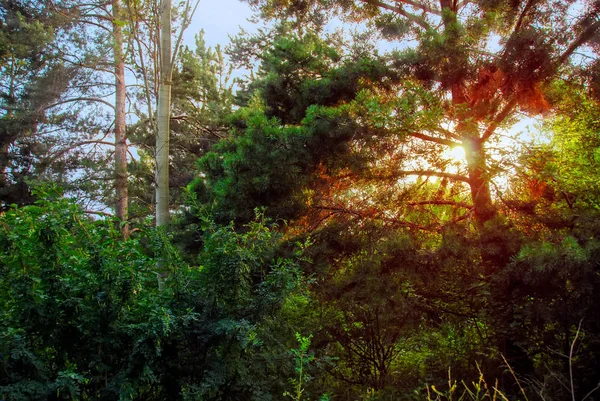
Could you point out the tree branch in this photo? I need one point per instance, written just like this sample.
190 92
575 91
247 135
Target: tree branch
399 10
362 214
571 351
447 133
187 19
94 67
81 99
48 161
97 16
526 9
440 202
429 138
97 25
499 119
104 214
461 4
142 64
586 35
428 173
420 6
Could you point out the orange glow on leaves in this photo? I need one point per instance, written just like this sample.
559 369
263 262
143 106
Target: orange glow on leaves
491 81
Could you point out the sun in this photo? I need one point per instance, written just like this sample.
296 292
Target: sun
456 154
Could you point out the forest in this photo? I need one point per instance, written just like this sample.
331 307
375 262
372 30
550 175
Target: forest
361 200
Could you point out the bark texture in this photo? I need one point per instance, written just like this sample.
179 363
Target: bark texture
120 129
163 116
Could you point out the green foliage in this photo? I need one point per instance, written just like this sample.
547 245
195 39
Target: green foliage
32 77
302 358
72 299
572 165
268 165
86 315
300 71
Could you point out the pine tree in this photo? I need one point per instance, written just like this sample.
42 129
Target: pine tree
474 67
33 78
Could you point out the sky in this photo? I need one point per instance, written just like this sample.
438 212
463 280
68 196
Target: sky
218 18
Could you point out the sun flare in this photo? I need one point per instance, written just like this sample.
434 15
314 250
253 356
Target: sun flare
456 154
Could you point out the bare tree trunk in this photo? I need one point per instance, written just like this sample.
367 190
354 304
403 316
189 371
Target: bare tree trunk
121 186
163 116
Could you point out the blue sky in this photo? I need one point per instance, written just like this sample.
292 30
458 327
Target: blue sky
218 18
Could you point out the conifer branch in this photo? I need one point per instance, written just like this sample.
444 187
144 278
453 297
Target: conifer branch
98 213
80 99
586 35
526 9
421 6
429 138
97 16
78 63
373 215
97 25
428 173
500 117
79 14
440 203
399 10
51 159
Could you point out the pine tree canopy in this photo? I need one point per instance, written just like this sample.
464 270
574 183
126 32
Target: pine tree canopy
470 71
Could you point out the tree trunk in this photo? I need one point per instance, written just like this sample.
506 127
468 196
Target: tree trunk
163 116
479 183
481 197
121 186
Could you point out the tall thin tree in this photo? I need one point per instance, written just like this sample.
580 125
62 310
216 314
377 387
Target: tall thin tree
121 187
163 114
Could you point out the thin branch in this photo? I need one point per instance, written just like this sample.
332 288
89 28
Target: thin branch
420 6
428 173
447 133
97 25
186 23
362 215
144 70
80 99
591 392
104 214
571 360
51 159
586 35
92 85
93 67
461 4
441 141
399 10
98 16
529 4
441 202
499 119
515 377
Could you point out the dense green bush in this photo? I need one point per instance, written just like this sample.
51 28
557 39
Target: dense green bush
87 315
